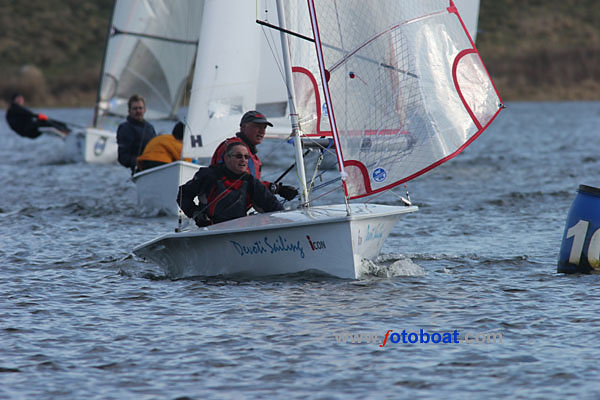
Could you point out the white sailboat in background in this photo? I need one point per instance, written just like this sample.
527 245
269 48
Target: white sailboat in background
235 71
401 88
150 49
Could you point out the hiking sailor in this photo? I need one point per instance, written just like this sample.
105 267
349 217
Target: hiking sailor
225 191
27 123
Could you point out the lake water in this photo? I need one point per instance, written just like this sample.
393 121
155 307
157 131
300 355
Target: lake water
83 318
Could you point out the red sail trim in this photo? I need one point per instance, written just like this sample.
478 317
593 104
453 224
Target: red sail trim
453 10
318 135
302 70
455 79
365 175
421 172
375 132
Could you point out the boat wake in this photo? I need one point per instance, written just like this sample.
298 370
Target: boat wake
390 266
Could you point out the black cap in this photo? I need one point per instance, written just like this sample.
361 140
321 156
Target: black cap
177 131
255 116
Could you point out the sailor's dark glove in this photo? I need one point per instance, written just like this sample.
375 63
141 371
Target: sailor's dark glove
202 219
285 191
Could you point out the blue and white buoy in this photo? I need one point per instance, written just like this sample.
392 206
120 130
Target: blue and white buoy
580 248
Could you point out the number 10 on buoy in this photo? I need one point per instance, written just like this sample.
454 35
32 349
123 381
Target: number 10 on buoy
580 248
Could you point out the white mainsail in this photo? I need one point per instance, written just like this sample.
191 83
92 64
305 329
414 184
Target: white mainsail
150 51
238 68
405 86
225 79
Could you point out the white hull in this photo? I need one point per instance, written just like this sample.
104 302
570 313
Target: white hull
157 187
53 132
92 145
319 238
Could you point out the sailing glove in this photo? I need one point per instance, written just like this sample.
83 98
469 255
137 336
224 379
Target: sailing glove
285 191
202 219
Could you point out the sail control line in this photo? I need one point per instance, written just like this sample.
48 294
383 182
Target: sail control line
292 102
116 31
296 132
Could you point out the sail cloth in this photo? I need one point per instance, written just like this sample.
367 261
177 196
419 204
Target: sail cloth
469 13
310 102
239 68
150 50
225 80
308 87
407 88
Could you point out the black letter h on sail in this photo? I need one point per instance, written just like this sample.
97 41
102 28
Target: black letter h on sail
196 140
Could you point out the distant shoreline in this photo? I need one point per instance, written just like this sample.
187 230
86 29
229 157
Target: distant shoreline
586 91
86 100
534 51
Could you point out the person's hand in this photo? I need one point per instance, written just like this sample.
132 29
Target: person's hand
202 219
42 117
286 191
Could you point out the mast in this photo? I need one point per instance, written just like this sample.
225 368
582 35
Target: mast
98 94
322 69
292 105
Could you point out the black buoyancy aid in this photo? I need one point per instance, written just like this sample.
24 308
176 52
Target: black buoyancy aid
229 199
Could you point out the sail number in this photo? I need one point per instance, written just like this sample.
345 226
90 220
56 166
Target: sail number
578 232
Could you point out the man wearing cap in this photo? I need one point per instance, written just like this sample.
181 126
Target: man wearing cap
253 127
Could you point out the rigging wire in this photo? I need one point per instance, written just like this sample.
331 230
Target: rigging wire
271 40
185 101
271 43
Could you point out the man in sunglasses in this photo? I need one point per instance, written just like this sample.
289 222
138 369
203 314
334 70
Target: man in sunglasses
225 191
253 126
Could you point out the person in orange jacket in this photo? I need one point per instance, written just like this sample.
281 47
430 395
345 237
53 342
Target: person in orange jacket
162 149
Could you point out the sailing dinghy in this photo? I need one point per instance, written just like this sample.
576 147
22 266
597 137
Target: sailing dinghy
149 50
400 87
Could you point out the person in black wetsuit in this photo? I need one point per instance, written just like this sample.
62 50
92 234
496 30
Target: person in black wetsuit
26 123
225 191
134 134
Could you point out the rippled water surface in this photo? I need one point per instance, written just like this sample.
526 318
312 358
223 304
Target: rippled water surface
80 317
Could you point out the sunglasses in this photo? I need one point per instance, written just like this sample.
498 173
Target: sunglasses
240 156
